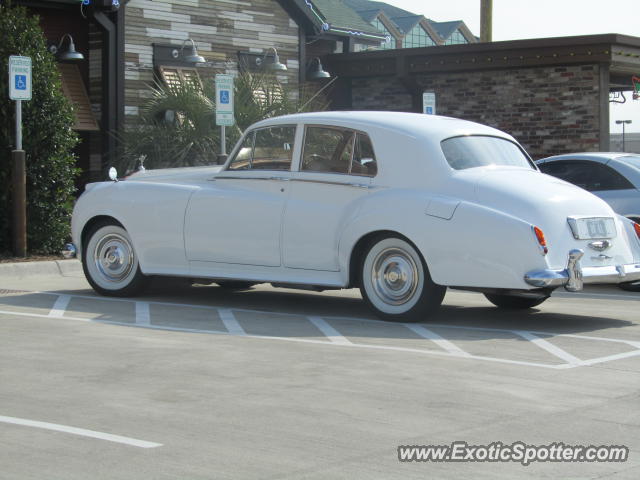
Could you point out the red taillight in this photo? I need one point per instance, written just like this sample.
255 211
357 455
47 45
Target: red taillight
541 240
636 227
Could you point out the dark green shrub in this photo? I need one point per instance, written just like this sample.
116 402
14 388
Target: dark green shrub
47 138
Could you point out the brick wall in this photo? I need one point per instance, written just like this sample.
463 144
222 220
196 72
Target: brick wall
550 110
220 28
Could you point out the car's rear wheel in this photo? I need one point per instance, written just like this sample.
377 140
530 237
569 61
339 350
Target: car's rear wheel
395 281
234 284
519 302
110 262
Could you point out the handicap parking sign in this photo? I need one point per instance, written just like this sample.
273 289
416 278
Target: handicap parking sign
224 96
21 82
19 78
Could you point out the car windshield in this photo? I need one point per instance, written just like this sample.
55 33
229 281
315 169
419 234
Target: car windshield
479 151
632 160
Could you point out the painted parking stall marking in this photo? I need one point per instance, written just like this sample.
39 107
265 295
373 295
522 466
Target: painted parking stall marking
134 442
59 307
345 332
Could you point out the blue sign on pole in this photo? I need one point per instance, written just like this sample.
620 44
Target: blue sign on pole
224 96
21 82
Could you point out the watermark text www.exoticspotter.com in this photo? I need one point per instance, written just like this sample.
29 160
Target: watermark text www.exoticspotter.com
518 452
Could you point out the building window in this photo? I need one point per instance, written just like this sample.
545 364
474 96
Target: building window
417 37
456 38
174 76
390 42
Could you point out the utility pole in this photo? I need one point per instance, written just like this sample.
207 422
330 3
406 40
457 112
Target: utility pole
486 20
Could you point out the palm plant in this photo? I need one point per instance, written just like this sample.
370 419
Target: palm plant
177 125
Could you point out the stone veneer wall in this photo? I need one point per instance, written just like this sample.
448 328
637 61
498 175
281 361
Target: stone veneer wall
220 29
550 110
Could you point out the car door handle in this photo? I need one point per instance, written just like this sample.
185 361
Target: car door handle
359 185
282 179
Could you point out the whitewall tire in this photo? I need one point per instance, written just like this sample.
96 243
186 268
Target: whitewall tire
395 281
110 262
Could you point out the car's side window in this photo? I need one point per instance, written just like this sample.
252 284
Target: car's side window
273 148
337 150
327 150
268 148
364 159
242 160
588 175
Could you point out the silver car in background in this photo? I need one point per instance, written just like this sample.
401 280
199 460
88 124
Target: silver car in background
614 177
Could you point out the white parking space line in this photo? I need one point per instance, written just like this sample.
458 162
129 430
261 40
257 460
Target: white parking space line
80 431
60 306
230 322
549 347
336 338
40 315
437 339
608 358
143 317
331 333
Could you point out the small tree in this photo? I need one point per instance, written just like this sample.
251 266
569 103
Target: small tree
48 138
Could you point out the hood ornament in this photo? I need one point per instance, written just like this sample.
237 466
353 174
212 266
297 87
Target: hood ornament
600 245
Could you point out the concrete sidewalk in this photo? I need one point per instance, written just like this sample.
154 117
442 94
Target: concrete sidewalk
64 268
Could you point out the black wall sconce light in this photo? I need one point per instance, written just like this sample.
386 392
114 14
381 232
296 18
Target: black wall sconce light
275 65
315 70
68 55
191 57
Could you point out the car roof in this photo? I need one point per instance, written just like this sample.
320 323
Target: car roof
600 157
417 124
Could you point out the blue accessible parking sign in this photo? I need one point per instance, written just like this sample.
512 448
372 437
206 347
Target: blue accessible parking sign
19 78
224 96
21 82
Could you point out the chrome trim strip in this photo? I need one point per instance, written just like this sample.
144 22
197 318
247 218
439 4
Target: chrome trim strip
329 182
238 177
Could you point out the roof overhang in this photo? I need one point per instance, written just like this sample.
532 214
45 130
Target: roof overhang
310 16
621 53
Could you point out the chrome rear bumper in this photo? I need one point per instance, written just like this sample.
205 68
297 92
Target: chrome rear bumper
574 276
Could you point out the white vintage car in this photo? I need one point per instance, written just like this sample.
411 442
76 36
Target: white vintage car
400 205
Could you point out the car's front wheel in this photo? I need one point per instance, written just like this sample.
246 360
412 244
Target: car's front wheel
110 262
515 301
395 281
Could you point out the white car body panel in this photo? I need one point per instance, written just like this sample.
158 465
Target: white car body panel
473 227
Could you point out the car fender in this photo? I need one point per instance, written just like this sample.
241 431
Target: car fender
476 246
152 213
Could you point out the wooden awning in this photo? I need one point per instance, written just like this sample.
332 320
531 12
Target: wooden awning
74 89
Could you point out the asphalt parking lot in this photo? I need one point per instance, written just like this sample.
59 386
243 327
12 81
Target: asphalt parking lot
200 383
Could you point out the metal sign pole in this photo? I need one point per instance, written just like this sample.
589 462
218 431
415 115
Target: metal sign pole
223 140
18 124
19 90
19 180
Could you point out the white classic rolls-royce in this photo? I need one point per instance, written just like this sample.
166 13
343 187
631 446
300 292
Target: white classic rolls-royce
400 205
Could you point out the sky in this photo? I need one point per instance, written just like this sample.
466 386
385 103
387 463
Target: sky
518 19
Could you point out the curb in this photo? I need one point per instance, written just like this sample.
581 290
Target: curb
60 268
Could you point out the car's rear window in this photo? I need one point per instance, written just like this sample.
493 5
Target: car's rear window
479 151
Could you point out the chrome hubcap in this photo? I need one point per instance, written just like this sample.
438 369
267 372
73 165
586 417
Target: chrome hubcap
113 257
394 276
